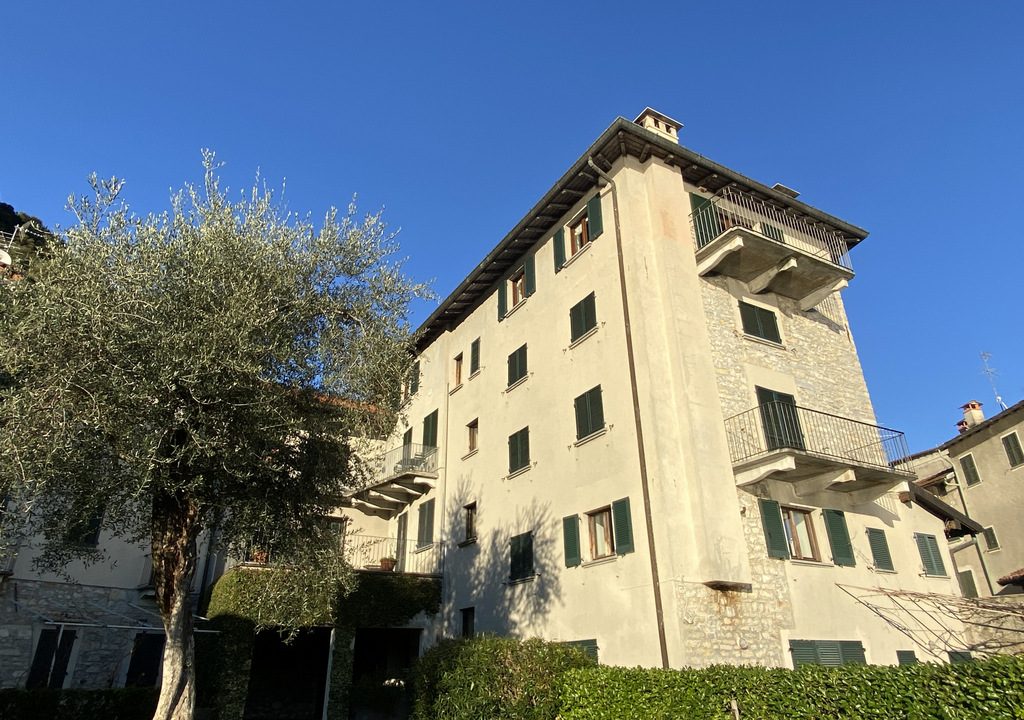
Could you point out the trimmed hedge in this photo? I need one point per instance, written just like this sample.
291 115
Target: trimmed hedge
119 704
492 677
990 689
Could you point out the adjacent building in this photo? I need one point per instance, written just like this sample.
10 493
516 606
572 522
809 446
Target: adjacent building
640 425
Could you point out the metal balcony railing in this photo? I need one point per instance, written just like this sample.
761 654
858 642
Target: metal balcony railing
369 552
780 426
404 459
732 208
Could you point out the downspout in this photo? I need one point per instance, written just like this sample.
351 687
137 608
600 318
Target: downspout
977 545
641 452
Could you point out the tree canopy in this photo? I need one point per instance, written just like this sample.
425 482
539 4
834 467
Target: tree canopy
207 364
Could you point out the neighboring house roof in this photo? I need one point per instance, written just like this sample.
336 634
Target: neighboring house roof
1014 578
942 510
623 137
983 425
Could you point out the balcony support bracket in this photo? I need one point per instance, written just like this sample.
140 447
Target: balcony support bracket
820 294
761 470
832 480
709 263
760 283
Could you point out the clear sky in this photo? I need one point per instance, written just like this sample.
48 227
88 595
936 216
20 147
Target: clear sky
905 118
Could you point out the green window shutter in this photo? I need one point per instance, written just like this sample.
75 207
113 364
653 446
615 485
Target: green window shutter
414 378
804 652
880 549
596 409
430 430
420 524
971 476
906 657
622 525
522 556
829 653
931 558
577 321
759 322
967 587
839 538
959 657
519 450
582 417
571 540
748 316
991 540
590 311
587 646
425 525
595 224
589 413
407 438
774 531
1011 444
706 224
851 652
474 356
559 242
502 300
530 277
517 365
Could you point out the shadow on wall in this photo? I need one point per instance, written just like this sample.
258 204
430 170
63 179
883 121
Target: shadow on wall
501 576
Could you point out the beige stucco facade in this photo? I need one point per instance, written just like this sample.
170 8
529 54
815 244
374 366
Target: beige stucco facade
677 375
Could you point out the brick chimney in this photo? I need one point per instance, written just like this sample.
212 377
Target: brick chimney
660 124
972 416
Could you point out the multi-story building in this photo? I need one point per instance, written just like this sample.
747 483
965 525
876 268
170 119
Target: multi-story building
641 425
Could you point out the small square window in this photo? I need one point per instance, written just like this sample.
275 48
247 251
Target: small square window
579 234
803 545
589 413
602 542
519 450
458 370
991 541
473 434
517 283
759 322
582 318
468 622
469 522
517 366
1011 444
474 357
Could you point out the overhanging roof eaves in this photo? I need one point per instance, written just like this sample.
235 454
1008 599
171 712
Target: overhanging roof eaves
942 510
622 137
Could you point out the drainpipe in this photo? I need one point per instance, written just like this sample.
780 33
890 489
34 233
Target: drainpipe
631 358
977 545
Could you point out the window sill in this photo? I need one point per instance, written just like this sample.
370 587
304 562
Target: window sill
941 577
764 341
467 542
471 453
475 373
520 581
600 561
455 389
884 571
989 551
422 548
592 436
515 307
519 471
518 382
570 260
812 563
583 337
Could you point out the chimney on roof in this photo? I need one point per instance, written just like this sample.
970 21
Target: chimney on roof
972 416
659 123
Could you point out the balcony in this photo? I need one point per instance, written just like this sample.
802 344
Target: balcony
404 474
382 554
769 249
815 450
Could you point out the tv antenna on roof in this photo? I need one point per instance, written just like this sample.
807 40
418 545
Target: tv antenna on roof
990 373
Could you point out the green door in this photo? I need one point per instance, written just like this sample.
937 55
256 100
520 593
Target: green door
780 420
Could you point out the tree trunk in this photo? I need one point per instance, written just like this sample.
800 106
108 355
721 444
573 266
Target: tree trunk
175 528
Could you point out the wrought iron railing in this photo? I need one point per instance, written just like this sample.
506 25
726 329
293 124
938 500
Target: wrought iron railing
370 552
411 458
732 208
780 425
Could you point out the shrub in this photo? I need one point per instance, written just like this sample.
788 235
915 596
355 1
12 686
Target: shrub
991 689
493 677
119 704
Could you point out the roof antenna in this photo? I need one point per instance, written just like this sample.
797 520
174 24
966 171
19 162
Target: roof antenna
990 373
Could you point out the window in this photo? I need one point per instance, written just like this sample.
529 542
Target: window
589 647
473 433
780 420
582 318
521 283
759 322
931 559
968 588
144 666
469 522
906 657
474 357
971 476
583 230
880 554
519 450
589 413
425 527
430 431
468 622
458 370
827 652
1011 444
413 381
839 537
50 662
991 541
517 366
800 534
959 657
517 283
85 532
610 530
521 549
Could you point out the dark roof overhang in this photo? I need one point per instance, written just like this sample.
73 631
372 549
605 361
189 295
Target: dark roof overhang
944 511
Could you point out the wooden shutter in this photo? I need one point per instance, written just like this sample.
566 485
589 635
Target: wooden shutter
474 356
582 417
571 540
522 556
595 224
804 652
513 452
596 405
414 378
576 321
589 311
587 646
622 525
1014 454
829 653
880 549
930 557
42 660
839 538
425 531
958 657
430 431
906 657
748 317
851 652
530 277
558 241
502 300
774 532
780 420
971 476
706 224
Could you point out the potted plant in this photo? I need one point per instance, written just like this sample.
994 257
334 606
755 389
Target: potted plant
388 563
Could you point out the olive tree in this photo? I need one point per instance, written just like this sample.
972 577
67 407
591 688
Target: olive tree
211 362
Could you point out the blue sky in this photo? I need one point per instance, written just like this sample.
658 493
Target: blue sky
904 118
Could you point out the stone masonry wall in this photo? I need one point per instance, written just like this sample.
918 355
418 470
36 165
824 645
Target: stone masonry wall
100 655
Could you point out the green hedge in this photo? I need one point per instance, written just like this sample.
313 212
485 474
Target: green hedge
492 677
120 704
991 689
